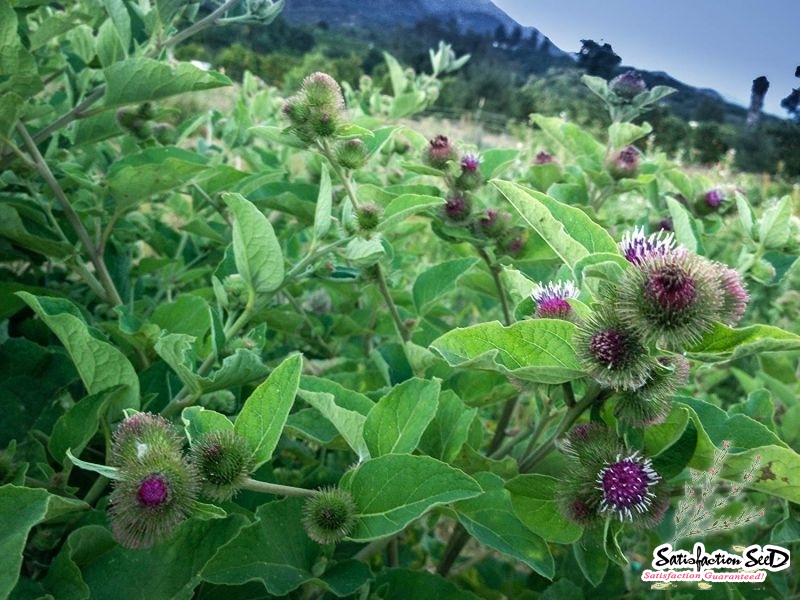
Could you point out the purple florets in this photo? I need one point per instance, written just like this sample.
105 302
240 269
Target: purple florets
626 486
638 248
552 299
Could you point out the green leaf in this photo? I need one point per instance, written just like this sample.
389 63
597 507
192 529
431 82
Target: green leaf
778 472
198 420
449 429
438 280
100 365
569 231
687 232
724 343
538 350
21 509
490 519
264 413
591 555
76 427
187 314
404 584
396 423
18 73
573 137
104 470
142 79
140 176
322 213
392 491
349 423
258 254
13 228
774 227
110 48
406 205
533 499
624 134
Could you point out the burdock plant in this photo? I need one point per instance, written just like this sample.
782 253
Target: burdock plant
329 515
223 460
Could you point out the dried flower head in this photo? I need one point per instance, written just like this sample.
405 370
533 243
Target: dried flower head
552 300
329 515
223 459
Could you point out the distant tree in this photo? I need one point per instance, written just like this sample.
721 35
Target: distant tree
792 103
598 60
516 36
757 93
709 109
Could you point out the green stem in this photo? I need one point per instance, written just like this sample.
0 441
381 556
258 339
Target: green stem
494 269
199 26
263 487
371 549
387 296
325 148
458 539
301 266
96 490
111 295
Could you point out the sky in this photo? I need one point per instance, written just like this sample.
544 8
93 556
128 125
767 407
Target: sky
718 44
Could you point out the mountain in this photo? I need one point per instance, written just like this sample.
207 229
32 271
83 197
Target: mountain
477 16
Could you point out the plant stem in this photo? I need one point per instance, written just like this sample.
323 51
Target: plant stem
325 148
494 269
96 490
387 296
275 488
371 549
111 295
458 539
197 27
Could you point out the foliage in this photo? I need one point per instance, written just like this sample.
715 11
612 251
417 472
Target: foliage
293 348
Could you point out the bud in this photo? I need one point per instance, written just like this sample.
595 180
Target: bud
223 460
672 299
151 499
457 209
624 164
164 133
351 154
552 300
513 242
543 158
627 86
613 352
321 91
492 223
651 403
368 217
315 111
329 515
439 152
470 177
141 436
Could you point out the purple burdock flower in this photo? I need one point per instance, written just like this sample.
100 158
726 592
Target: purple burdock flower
470 162
552 300
625 163
613 352
626 486
638 248
492 223
439 152
714 198
457 208
153 491
734 295
470 177
628 85
543 158
672 299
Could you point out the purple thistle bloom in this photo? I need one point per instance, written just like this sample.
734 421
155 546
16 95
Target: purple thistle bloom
624 163
628 85
734 296
626 484
457 208
714 198
470 162
552 299
639 248
440 151
543 158
153 491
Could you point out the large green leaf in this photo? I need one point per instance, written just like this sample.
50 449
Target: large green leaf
283 564
725 343
490 519
404 206
435 282
349 423
138 177
404 584
264 413
569 231
538 350
145 79
198 420
20 510
13 227
259 259
449 429
76 427
570 135
396 423
100 365
533 499
392 491
777 473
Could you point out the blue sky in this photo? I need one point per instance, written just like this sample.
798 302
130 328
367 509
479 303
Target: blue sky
720 44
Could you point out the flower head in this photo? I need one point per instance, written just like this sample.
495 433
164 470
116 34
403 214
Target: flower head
714 198
672 299
543 158
628 85
457 208
552 299
470 176
625 163
492 223
329 515
315 111
439 152
734 295
223 459
351 154
143 435
638 247
626 486
613 352
151 499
